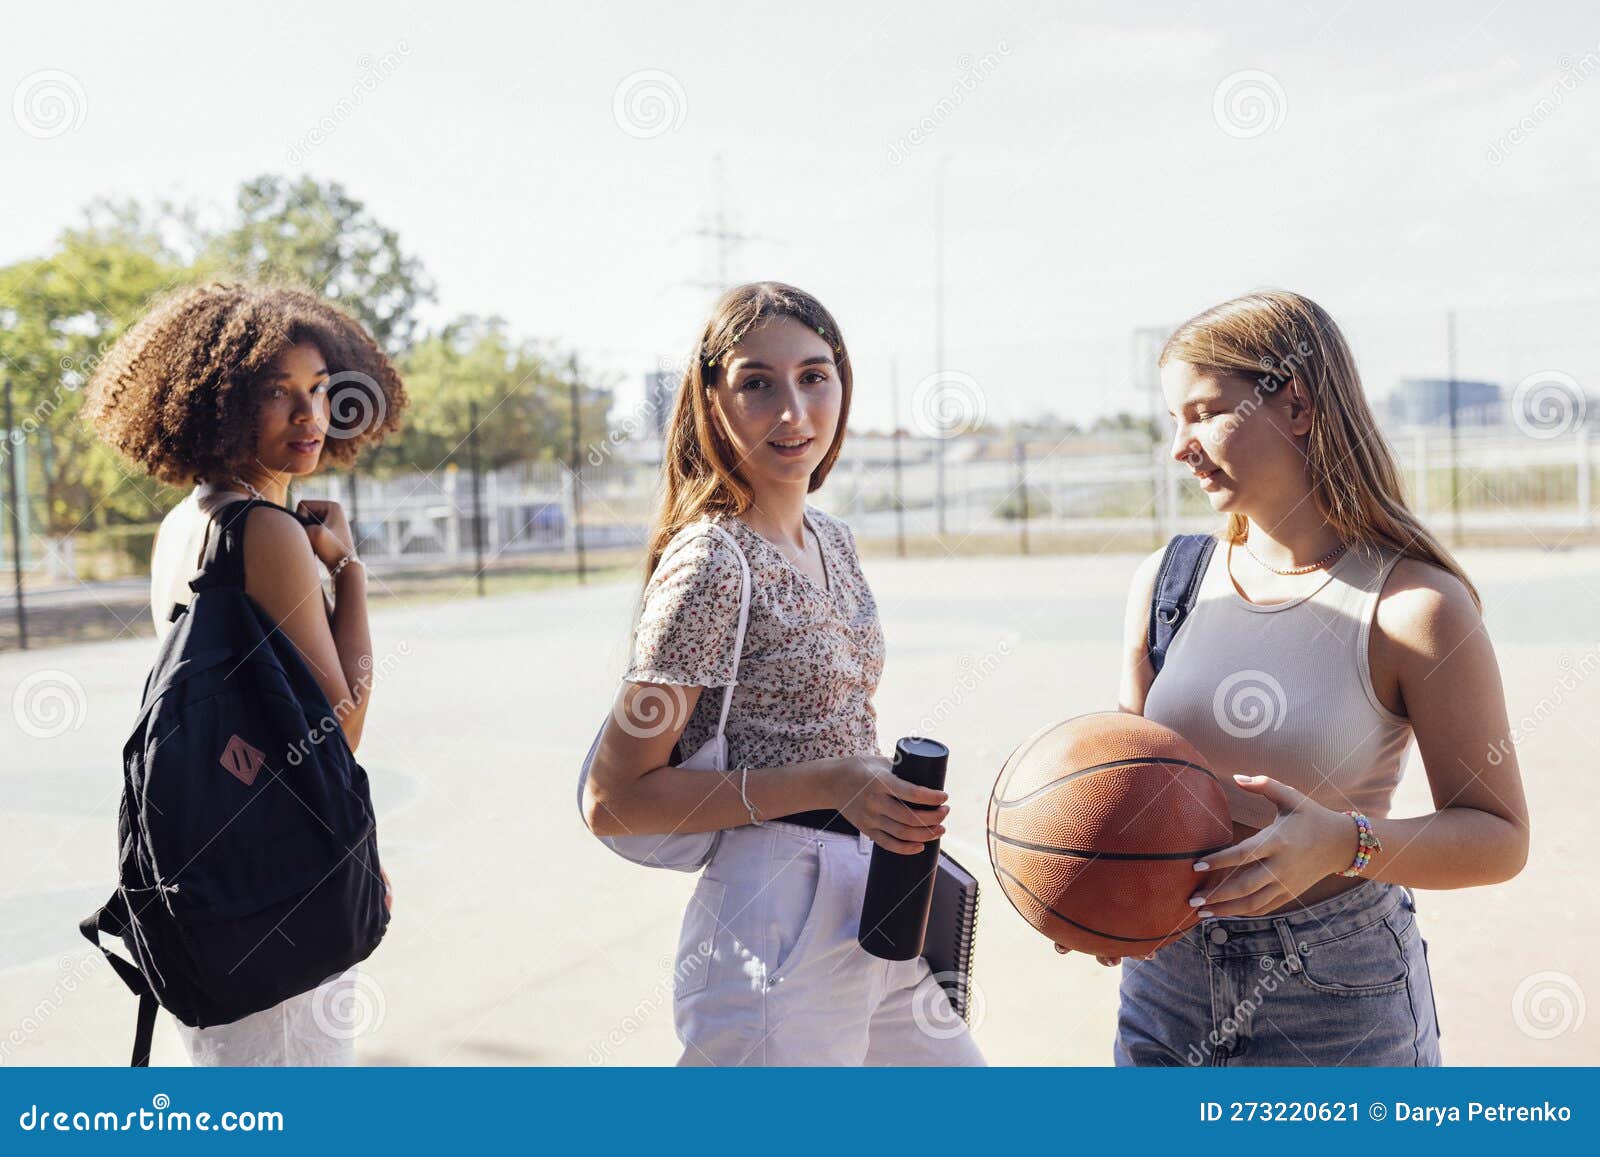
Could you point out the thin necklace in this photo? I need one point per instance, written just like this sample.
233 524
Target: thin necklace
1294 570
254 493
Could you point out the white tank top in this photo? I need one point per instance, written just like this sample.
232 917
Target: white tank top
1285 690
176 554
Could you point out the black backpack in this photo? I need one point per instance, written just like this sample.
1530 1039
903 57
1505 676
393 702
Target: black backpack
248 868
1177 587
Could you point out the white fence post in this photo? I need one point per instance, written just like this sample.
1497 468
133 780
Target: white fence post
1419 471
1585 505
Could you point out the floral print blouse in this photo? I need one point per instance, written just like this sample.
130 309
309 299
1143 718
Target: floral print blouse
812 657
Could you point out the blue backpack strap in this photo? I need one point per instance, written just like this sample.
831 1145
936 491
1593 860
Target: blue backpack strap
1177 587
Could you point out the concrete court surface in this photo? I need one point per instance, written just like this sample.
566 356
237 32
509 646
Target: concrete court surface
519 940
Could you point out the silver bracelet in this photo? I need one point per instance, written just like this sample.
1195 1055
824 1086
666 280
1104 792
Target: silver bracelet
744 778
344 562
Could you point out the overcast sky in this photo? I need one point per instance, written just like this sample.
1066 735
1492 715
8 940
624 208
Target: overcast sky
1105 170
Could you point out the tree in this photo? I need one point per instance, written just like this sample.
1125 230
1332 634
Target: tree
521 389
318 236
62 313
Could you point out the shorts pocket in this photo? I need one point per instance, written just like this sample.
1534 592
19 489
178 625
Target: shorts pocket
1367 962
796 887
691 966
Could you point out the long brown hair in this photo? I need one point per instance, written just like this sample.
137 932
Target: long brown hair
700 471
1274 337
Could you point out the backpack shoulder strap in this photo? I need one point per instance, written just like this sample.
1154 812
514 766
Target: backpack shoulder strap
112 920
744 621
1176 589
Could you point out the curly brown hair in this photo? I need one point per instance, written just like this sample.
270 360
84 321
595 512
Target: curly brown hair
177 392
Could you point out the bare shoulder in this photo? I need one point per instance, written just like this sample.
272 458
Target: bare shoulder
273 526
1424 609
276 548
1144 575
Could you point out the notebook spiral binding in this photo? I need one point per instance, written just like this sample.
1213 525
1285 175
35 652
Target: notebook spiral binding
968 942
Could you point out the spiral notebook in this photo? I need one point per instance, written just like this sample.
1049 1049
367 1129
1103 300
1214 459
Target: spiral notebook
953 932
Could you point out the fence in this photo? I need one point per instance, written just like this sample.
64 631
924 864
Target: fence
971 487
1501 479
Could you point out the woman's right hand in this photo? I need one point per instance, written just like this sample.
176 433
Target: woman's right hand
330 534
870 795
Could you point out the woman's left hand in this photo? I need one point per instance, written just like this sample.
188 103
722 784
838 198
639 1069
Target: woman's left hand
1306 843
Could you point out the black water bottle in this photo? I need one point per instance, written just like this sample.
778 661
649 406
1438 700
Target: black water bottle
894 914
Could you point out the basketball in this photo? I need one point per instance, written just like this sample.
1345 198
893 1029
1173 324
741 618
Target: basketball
1094 824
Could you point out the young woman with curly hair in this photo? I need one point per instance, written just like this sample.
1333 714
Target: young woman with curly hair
769 971
237 390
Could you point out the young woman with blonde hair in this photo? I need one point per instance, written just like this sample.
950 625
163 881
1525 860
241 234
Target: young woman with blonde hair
768 970
1330 629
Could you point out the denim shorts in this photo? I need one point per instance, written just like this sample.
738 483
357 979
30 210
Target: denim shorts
1341 982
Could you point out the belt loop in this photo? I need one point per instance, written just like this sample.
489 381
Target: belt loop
1291 954
863 843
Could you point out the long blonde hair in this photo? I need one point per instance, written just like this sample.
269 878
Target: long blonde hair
1275 336
700 473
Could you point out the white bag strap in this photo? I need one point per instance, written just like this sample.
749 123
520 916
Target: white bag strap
683 539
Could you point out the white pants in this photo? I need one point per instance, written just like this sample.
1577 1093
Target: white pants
312 1029
768 970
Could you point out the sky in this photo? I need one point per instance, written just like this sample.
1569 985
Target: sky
1105 167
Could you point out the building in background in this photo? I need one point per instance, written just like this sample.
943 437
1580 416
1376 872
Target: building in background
1426 402
658 390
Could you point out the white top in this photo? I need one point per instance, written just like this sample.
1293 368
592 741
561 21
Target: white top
1285 689
176 554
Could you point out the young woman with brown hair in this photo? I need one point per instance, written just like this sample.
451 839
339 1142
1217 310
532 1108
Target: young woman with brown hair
768 970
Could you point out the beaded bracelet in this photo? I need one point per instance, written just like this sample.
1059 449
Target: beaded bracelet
1366 843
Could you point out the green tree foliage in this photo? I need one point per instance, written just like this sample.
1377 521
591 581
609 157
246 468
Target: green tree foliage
60 312
318 236
522 391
